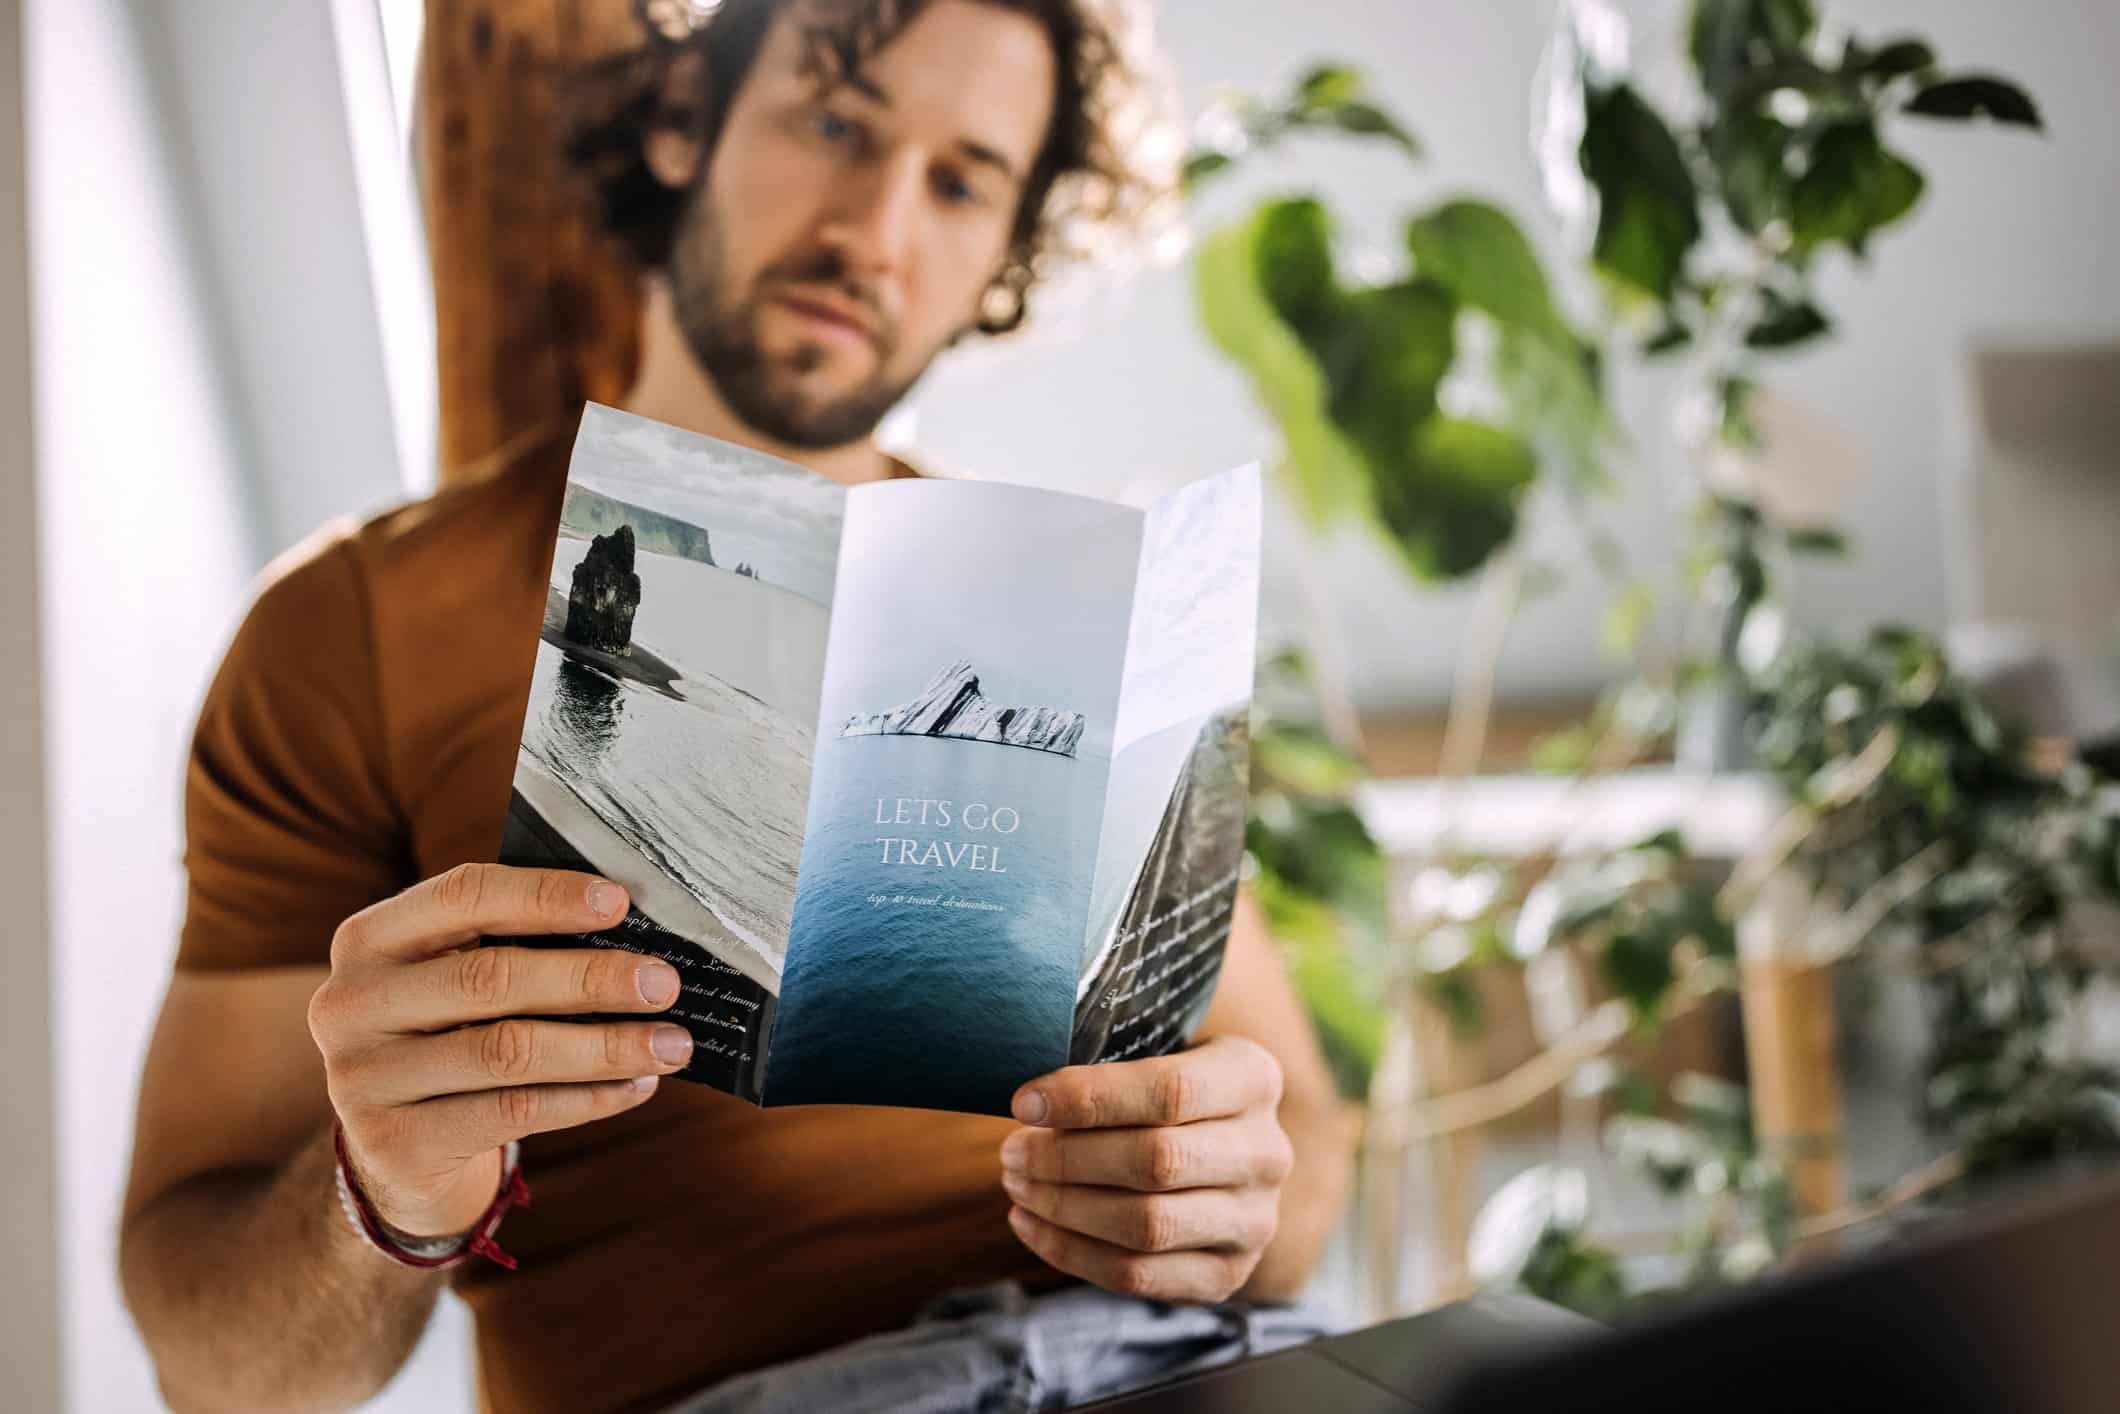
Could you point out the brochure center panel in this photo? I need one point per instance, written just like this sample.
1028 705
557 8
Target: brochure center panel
963 750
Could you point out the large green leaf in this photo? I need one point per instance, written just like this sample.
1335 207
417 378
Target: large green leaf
1384 359
1292 252
1453 503
1327 477
1977 97
1546 374
1479 254
1852 189
1647 216
1750 151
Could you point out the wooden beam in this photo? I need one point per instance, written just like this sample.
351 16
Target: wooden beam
1792 1044
535 309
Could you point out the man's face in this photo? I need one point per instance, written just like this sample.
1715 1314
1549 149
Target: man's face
839 240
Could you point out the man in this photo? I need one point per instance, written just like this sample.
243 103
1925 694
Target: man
834 191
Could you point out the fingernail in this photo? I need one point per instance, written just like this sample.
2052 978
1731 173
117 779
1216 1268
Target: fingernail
604 898
643 1083
1030 1107
1019 1220
672 1045
657 982
1013 1182
1016 1152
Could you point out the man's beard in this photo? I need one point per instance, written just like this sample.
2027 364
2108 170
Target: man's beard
722 332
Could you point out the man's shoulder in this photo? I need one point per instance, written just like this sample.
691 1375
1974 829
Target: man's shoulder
452 545
445 547
367 612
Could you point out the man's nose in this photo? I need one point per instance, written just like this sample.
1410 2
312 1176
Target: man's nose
872 224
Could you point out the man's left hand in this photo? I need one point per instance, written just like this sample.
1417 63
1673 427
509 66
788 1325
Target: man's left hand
1155 1178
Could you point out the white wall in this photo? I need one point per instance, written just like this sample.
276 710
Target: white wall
209 388
146 544
251 95
2017 236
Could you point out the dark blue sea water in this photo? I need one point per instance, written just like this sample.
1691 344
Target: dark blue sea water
892 1000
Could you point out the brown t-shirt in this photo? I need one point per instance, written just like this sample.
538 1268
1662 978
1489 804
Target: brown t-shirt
361 735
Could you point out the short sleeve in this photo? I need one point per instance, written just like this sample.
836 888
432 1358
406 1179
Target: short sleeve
289 819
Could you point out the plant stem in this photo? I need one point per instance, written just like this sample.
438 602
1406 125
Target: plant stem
1479 662
1848 781
1336 709
1938 1173
1877 902
1608 1024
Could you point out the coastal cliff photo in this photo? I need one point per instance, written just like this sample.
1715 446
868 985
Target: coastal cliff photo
673 703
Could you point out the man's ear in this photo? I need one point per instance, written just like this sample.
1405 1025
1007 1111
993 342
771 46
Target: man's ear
673 147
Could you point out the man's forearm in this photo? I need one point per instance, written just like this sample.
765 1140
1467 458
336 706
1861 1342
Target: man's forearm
1311 1201
254 1292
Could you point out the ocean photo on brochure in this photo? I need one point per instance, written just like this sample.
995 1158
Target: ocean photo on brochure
927 787
972 686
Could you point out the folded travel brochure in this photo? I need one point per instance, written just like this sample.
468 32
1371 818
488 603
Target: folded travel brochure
926 787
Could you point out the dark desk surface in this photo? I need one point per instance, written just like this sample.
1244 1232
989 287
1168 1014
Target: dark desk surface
1387 1369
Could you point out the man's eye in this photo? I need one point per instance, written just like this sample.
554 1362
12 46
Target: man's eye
955 190
831 127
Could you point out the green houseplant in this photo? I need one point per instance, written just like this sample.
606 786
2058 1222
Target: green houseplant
1951 847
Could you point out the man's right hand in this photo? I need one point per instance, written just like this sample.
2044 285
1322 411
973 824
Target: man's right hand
430 1058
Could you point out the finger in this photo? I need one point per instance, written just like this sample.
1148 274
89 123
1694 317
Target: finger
1220 1219
516 1051
1161 1276
474 900
479 984
1219 1153
1221 1077
463 1125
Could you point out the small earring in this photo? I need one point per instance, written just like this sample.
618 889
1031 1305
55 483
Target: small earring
675 20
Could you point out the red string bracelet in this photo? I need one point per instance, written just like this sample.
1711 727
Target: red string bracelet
440 1252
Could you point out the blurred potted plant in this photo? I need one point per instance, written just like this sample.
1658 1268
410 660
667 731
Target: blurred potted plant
1943 841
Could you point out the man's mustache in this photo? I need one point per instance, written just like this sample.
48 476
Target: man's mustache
829 269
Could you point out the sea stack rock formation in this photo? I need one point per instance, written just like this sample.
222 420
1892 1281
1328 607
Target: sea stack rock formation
606 593
950 705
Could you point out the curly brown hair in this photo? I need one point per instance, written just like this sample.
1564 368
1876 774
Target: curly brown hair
1105 177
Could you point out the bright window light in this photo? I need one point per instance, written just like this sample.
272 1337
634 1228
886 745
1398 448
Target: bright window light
378 44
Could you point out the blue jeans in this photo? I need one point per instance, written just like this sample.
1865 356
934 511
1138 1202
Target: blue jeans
999 1350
